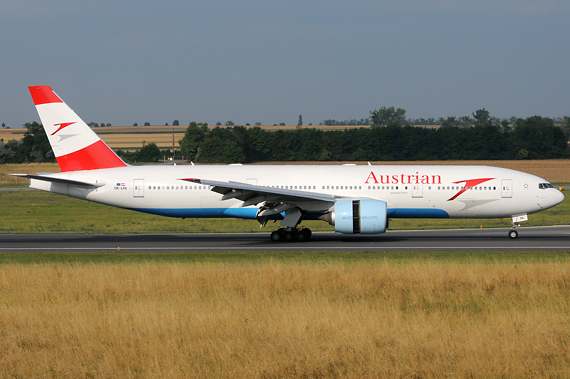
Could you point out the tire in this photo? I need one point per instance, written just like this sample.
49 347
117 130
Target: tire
304 234
513 234
276 236
301 235
288 236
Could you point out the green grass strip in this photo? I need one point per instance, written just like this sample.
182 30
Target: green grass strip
513 257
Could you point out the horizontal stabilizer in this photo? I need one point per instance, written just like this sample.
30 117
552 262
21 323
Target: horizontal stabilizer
52 179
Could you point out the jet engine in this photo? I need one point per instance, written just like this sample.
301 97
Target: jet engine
358 216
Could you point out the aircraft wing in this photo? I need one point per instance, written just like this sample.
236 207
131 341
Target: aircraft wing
46 178
252 194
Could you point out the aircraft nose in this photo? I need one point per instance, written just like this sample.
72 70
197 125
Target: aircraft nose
558 197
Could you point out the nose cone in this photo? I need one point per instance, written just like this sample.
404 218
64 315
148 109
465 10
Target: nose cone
558 197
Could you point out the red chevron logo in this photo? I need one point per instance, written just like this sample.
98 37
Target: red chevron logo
62 125
469 183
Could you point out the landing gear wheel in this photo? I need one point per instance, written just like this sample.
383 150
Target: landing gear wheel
513 234
304 234
288 236
276 236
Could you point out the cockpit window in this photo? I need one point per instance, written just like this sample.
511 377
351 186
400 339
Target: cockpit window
545 185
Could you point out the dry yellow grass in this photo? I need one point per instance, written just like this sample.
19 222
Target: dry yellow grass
130 141
286 320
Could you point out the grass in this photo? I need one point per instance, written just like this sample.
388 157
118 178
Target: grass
261 257
369 318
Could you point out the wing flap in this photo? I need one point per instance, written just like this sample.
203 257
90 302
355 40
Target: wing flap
245 192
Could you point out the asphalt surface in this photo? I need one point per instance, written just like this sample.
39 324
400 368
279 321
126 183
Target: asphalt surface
552 238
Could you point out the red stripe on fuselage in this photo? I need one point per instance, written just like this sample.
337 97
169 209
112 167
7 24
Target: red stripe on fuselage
470 183
93 157
43 95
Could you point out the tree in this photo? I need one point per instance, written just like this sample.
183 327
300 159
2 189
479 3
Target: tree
300 123
466 121
540 137
229 123
147 124
450 121
35 145
565 125
148 153
175 123
482 117
387 116
193 138
135 124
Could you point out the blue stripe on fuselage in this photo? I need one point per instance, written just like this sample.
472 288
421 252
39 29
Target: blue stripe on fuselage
250 213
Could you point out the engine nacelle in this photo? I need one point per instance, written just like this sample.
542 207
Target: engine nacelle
359 216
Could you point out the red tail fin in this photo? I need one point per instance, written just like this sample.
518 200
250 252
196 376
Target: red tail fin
75 145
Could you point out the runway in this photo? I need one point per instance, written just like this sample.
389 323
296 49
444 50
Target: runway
552 238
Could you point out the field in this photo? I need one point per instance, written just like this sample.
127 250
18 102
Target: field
368 316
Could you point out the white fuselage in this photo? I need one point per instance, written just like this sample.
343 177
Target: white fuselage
409 191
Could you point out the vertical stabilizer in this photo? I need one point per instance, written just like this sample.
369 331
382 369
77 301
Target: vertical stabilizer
75 145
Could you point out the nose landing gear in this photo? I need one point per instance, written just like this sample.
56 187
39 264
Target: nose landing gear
516 220
290 234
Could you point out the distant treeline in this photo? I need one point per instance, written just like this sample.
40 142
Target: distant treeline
35 147
531 138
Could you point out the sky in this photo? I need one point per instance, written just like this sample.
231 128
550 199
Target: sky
124 61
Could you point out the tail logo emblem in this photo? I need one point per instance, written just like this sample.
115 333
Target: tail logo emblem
62 125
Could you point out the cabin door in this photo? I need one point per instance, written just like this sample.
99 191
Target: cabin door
138 188
417 190
507 188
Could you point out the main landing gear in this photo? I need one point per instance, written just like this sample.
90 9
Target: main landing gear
291 234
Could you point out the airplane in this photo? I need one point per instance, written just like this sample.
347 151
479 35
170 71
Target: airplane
356 199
